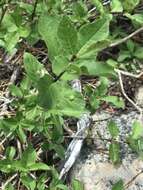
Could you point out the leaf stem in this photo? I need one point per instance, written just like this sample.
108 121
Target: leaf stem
63 72
59 76
34 10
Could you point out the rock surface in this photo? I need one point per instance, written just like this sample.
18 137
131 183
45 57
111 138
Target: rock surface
93 166
139 96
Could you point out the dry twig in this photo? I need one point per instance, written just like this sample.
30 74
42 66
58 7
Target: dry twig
133 179
125 38
8 181
123 90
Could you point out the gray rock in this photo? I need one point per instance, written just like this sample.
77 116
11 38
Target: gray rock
139 96
93 166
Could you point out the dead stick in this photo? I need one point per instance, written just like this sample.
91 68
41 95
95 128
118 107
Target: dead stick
126 38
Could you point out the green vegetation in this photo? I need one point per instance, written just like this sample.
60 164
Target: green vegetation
79 41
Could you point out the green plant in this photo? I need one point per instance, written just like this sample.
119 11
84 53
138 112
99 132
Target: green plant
135 139
114 148
118 185
75 38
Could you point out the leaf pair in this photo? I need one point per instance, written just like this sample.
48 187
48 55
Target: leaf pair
59 35
56 97
64 41
25 164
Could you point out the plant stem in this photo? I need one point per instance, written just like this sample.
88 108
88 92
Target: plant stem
59 76
34 10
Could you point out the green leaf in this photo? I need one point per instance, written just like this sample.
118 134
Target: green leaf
59 150
11 36
116 6
99 6
30 116
114 152
136 145
9 124
131 46
9 187
2 43
34 69
25 84
8 166
11 39
94 97
17 165
112 63
29 156
61 187
92 33
15 91
45 96
113 129
77 185
10 152
38 166
21 134
57 135
73 71
23 31
67 35
94 102
136 18
102 89
5 166
79 10
26 6
115 100
41 182
60 99
53 5
9 23
95 48
118 186
129 5
139 53
59 64
96 68
28 181
124 55
137 130
26 124
48 27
